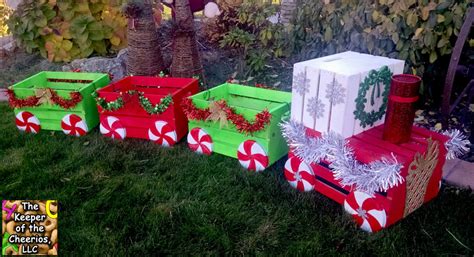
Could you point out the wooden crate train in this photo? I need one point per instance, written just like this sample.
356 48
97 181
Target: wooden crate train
332 127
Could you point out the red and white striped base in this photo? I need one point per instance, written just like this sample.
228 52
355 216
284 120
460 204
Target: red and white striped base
27 122
110 126
299 174
199 141
252 156
367 212
74 125
162 133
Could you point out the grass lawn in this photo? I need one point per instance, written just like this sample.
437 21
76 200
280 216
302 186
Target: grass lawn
133 198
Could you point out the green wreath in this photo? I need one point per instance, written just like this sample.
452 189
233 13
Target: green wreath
374 78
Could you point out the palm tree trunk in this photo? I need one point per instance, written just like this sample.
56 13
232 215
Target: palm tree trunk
287 8
144 48
186 61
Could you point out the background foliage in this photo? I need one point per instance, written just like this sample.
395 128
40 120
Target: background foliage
422 32
249 31
63 30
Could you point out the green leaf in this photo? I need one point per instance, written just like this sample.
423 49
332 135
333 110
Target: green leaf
95 31
68 15
81 7
433 56
442 42
66 45
63 5
96 7
412 19
49 13
328 34
41 21
80 23
395 38
440 18
99 47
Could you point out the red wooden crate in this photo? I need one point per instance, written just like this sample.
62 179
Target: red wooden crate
398 201
132 120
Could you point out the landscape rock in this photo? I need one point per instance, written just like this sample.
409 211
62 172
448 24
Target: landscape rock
116 66
7 44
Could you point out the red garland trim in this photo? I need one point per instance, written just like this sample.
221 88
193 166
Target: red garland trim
243 126
192 112
33 101
75 98
19 103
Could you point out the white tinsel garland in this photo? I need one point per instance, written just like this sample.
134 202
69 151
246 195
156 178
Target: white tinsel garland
457 144
379 175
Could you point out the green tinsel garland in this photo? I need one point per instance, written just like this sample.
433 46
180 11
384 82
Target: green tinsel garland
142 99
108 106
157 108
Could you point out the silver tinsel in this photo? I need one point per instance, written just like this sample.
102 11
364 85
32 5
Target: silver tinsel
379 175
457 144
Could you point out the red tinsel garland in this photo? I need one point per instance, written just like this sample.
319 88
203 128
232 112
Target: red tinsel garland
19 103
76 97
33 101
243 126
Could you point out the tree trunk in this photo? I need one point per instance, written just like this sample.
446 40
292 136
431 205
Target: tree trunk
186 61
287 9
144 49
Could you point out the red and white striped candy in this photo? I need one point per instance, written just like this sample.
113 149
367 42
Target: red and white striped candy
252 156
299 174
162 133
27 122
199 141
110 126
367 211
74 125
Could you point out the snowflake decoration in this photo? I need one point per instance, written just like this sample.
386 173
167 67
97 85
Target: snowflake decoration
315 107
301 83
335 93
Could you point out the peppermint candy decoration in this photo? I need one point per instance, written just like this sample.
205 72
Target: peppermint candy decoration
162 133
368 213
299 174
199 141
110 126
74 125
27 122
252 156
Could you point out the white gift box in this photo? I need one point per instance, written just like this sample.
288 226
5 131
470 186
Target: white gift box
325 92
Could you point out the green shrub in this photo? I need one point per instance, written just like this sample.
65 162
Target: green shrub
63 30
255 39
418 31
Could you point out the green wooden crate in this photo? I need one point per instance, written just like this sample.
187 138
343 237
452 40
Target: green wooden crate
227 140
76 120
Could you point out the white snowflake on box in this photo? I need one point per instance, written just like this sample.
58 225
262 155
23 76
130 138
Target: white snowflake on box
335 93
301 83
315 107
